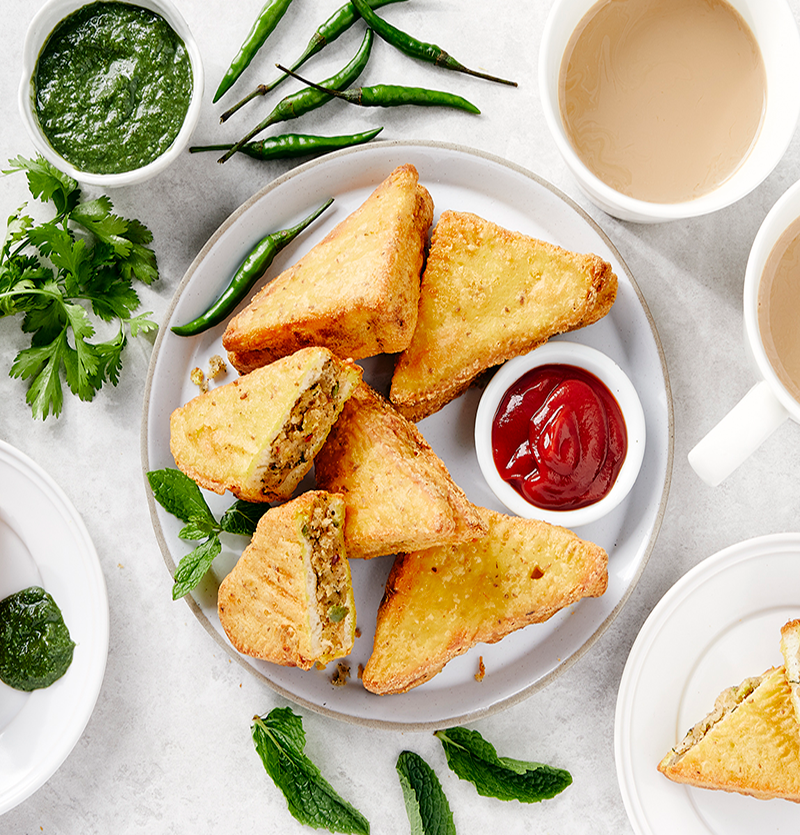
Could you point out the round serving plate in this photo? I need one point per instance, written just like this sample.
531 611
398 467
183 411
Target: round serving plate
461 179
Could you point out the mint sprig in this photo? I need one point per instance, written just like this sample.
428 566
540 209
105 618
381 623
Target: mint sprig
426 803
474 759
56 275
179 495
280 739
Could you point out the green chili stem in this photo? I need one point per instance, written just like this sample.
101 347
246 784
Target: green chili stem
337 24
394 95
268 18
428 52
290 145
250 270
308 99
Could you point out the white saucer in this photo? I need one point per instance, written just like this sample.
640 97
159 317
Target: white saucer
719 624
43 541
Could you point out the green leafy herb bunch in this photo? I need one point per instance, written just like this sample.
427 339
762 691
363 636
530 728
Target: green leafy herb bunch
57 274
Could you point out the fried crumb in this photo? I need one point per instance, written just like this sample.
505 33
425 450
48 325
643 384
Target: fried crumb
361 671
199 379
341 675
216 367
358 632
481 670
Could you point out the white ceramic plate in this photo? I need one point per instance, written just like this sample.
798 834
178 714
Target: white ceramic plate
44 542
461 179
719 624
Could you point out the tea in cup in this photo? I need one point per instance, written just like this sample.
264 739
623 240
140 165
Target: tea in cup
772 334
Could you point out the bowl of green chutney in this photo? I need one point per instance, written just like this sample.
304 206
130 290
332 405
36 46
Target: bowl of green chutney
111 90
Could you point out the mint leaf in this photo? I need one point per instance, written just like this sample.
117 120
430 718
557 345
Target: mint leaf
242 517
279 739
178 494
426 804
193 567
472 758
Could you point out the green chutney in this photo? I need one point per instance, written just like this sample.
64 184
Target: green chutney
35 645
112 86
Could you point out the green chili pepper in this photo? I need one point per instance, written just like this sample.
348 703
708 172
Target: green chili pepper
337 24
290 145
251 269
393 95
417 49
268 18
308 99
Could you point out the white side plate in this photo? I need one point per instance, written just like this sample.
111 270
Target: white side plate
43 541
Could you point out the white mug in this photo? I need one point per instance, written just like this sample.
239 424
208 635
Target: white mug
769 403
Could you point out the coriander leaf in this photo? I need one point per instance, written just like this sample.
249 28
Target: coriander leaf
472 758
41 366
179 495
46 182
242 517
193 567
426 804
279 739
141 324
95 215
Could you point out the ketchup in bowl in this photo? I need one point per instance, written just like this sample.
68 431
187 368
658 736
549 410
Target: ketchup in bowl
559 437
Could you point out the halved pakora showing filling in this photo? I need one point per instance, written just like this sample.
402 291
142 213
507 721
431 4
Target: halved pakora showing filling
257 435
289 598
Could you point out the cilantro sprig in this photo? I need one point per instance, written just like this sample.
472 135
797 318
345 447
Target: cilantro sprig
280 740
179 495
54 274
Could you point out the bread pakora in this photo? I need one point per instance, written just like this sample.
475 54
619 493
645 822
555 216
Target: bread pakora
398 493
257 435
487 295
749 743
289 598
790 648
440 602
356 292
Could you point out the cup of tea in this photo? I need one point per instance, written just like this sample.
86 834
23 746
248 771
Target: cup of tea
772 338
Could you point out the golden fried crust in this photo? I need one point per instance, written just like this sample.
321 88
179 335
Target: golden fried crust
440 602
267 604
356 292
488 295
752 748
398 492
257 435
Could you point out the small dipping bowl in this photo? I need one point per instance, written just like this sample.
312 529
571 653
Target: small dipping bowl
608 372
774 28
40 29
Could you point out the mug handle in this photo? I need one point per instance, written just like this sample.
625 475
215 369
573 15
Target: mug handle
751 421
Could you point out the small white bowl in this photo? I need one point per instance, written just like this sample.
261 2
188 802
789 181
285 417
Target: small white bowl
775 30
608 372
43 23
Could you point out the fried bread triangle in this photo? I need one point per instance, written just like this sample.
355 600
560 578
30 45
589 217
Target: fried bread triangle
356 292
440 602
749 743
398 493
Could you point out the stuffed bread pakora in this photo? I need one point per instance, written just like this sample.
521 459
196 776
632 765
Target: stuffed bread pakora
289 598
257 435
749 743
487 295
442 601
398 493
356 292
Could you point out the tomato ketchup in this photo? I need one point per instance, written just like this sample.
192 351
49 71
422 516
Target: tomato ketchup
559 437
